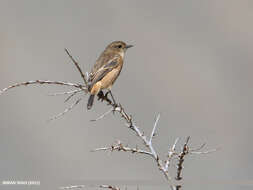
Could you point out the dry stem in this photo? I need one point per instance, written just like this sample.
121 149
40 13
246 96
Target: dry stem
78 67
79 86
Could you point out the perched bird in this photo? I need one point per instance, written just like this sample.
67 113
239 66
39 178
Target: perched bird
106 69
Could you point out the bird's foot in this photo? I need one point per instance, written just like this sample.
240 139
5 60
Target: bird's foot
104 97
100 96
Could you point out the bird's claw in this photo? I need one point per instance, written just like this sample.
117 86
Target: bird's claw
104 97
101 96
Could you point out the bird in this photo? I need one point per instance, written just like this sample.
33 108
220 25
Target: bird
106 70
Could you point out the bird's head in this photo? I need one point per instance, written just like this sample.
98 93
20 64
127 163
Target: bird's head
118 47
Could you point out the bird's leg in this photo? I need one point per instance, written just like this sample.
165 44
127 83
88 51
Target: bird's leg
107 99
104 97
114 102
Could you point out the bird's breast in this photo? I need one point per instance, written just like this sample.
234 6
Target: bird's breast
110 78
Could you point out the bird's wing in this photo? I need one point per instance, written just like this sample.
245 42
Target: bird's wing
103 59
101 72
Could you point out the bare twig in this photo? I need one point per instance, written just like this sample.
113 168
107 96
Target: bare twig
78 67
66 110
120 147
83 186
184 152
70 96
154 128
204 152
173 148
199 148
73 187
109 187
64 93
79 86
172 152
103 115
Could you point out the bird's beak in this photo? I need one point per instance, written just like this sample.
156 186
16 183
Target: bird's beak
129 46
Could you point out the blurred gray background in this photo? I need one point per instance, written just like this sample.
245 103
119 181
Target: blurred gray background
192 62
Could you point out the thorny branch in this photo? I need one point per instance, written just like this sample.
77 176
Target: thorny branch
120 147
148 143
163 165
181 155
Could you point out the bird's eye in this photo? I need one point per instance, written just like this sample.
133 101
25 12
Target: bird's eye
119 46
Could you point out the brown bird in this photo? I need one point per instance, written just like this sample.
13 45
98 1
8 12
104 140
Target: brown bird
106 69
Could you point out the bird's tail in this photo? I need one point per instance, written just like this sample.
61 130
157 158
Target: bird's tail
90 101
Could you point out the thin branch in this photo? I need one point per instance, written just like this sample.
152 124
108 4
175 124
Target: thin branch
173 149
184 152
109 187
199 148
103 115
172 152
64 93
204 152
154 128
70 96
83 186
79 86
66 110
148 144
78 67
73 187
120 147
